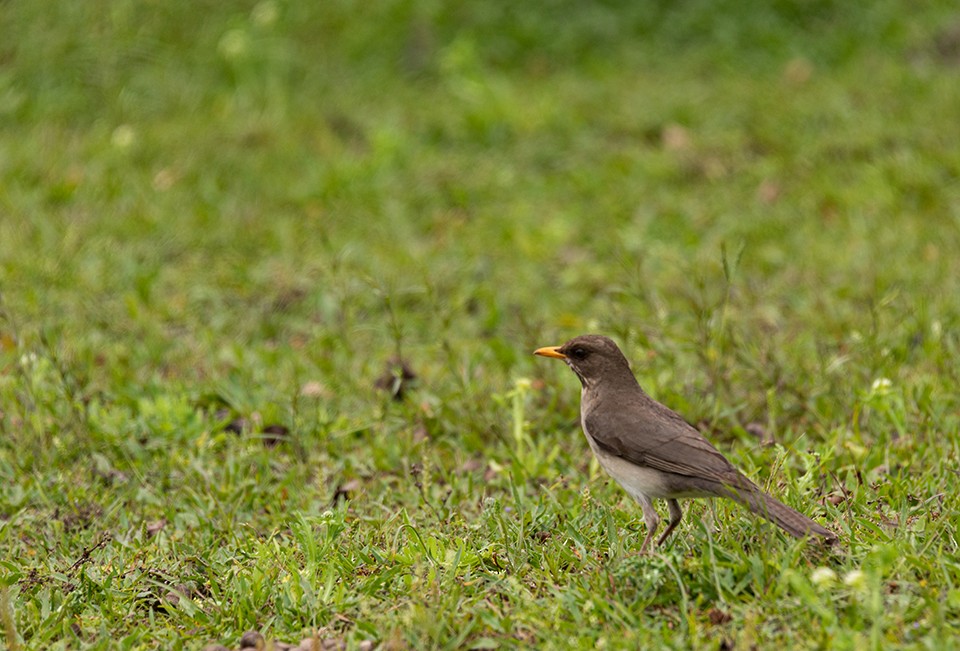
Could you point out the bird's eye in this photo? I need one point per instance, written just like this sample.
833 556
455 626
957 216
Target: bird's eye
578 353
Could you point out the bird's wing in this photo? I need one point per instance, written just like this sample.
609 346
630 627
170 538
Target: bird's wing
651 435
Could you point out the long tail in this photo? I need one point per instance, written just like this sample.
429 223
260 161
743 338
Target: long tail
794 523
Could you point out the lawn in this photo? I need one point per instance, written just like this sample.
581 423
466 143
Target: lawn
271 276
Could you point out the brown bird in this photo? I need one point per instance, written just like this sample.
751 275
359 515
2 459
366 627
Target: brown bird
651 451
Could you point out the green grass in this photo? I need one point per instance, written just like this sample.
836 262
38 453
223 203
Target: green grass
216 211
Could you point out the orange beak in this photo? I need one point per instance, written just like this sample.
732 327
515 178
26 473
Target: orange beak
550 351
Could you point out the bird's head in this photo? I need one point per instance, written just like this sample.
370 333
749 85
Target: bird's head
592 358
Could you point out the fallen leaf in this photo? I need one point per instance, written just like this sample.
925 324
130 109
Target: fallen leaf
759 431
155 527
313 389
344 490
471 465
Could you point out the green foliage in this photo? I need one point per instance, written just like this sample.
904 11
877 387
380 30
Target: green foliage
222 225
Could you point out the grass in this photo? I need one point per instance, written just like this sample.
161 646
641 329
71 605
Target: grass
220 217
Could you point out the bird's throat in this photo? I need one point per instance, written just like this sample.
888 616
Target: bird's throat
583 380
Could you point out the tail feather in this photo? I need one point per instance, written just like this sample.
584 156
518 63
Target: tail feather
794 523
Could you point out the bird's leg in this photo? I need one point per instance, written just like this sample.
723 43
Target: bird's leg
650 517
676 514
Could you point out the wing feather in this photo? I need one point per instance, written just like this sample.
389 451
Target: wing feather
651 435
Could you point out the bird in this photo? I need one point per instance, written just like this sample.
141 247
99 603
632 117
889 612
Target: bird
652 451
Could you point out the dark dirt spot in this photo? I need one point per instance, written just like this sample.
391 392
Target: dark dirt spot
238 425
83 516
718 617
252 640
397 378
344 490
288 299
273 434
946 45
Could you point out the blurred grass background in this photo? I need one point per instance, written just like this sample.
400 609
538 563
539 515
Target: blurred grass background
221 212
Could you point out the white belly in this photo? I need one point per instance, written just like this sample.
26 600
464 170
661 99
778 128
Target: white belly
634 479
637 480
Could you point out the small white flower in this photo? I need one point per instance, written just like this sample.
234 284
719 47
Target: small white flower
881 385
123 136
880 388
234 44
855 579
823 576
265 13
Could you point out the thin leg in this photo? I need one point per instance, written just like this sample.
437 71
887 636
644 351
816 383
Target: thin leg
650 517
676 514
